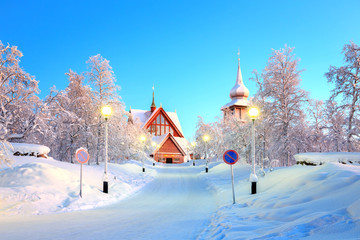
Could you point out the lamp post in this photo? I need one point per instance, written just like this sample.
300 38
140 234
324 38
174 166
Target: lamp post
155 146
106 111
193 144
253 112
206 139
142 139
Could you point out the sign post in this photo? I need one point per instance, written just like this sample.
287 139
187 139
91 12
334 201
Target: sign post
231 157
82 156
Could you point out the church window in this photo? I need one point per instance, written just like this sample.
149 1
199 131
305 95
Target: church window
160 126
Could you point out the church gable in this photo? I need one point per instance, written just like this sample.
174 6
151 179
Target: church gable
170 146
160 123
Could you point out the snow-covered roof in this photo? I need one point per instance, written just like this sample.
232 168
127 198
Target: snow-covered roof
183 143
175 119
236 102
143 116
140 116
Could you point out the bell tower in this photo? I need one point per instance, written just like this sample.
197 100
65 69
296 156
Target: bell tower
238 95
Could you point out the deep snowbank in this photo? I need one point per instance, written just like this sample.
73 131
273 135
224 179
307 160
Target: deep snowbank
41 186
292 203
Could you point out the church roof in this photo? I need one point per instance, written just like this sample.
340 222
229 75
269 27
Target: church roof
236 102
143 116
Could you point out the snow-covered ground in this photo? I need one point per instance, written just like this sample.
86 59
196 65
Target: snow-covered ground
178 202
40 186
311 202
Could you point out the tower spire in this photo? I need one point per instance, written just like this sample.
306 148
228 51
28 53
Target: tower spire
239 91
153 106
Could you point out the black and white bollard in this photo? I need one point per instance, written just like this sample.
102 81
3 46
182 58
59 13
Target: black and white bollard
253 179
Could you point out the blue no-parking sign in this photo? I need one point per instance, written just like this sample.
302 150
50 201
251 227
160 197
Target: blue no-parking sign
231 157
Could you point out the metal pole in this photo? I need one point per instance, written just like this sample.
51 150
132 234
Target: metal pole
106 178
81 180
206 156
232 180
253 183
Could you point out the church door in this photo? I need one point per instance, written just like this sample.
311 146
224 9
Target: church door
168 160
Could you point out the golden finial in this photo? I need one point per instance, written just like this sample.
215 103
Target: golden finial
239 55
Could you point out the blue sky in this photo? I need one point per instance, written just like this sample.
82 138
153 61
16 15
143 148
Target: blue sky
188 49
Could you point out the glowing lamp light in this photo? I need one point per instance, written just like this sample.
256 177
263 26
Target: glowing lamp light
153 144
206 138
193 144
106 111
253 112
143 138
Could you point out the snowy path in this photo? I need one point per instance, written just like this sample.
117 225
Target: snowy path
176 205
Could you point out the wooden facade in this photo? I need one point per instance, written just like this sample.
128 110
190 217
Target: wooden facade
169 151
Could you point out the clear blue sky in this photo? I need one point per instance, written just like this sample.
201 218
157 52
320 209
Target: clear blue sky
188 49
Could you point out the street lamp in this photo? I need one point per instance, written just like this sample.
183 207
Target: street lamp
206 138
193 144
253 112
142 139
106 111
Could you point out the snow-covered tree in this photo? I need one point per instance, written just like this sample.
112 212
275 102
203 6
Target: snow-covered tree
285 98
317 137
102 78
347 86
19 103
5 147
335 126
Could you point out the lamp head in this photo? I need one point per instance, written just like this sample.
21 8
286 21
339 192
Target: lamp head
106 111
143 138
206 138
193 144
253 112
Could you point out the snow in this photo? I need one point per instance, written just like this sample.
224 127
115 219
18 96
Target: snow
313 202
253 178
320 158
178 202
34 186
30 148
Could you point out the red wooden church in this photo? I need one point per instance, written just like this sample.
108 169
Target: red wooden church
172 147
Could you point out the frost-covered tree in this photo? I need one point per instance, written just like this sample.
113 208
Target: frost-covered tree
347 86
317 138
285 98
335 126
5 147
102 78
71 118
19 103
